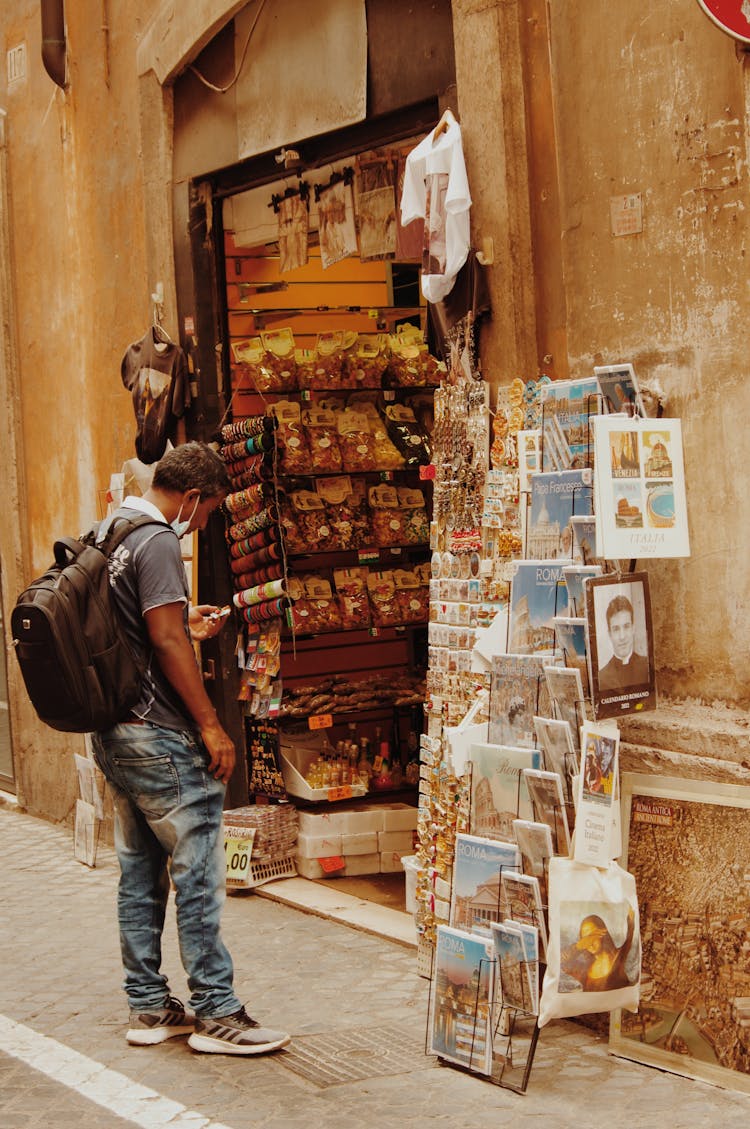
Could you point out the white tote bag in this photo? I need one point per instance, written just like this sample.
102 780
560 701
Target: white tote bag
594 948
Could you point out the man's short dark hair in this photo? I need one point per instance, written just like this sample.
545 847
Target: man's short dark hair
619 604
192 466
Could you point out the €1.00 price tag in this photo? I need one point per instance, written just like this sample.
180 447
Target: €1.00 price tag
238 849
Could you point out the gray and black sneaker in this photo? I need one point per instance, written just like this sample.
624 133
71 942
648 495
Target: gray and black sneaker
235 1034
150 1027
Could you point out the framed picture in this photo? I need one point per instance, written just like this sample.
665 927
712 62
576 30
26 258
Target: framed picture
687 842
620 644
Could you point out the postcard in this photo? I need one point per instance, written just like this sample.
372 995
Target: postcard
528 457
620 644
570 644
512 970
573 403
619 389
575 576
555 497
565 688
597 790
530 938
517 691
498 793
463 991
548 802
536 847
538 593
478 864
524 903
583 529
640 482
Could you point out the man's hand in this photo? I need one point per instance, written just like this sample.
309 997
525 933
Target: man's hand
206 620
221 754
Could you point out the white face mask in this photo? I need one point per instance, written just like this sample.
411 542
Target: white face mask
181 527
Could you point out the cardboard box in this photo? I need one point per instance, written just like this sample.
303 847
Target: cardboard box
362 864
359 843
318 846
400 841
391 862
399 817
353 865
329 822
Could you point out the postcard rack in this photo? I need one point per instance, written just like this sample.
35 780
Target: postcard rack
508 1027
495 1034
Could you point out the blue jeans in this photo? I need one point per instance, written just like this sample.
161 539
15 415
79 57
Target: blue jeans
167 805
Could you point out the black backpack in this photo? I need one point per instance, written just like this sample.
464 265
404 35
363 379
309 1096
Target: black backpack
79 670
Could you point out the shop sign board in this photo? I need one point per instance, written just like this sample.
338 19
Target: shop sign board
732 16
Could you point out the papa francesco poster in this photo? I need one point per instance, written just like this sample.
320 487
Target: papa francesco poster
640 504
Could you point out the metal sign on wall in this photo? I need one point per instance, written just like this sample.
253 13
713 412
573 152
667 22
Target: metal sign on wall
732 16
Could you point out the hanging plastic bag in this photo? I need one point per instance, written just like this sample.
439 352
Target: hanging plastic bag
594 948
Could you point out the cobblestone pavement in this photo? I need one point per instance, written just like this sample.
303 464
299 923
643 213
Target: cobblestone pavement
343 995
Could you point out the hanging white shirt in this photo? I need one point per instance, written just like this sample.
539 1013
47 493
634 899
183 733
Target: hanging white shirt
436 188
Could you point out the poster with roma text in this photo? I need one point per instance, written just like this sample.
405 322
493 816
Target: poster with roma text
640 504
687 843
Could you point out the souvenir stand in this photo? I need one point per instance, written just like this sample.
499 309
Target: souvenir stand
520 715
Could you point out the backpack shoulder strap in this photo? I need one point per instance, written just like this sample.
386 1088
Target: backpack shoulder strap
119 529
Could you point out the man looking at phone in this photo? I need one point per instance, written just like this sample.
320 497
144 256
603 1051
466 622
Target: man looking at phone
168 763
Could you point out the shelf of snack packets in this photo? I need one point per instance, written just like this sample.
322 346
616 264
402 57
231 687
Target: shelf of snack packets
328 523
270 362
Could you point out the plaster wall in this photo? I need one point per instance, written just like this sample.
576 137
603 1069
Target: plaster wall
77 295
655 102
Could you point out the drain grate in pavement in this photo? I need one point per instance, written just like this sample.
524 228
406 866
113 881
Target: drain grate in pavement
350 1056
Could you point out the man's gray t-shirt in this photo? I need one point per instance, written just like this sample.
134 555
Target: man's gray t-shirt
146 571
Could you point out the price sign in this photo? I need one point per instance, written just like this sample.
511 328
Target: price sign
332 863
343 792
320 721
238 849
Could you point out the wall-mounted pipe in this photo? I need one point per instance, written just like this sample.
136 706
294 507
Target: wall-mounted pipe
54 51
